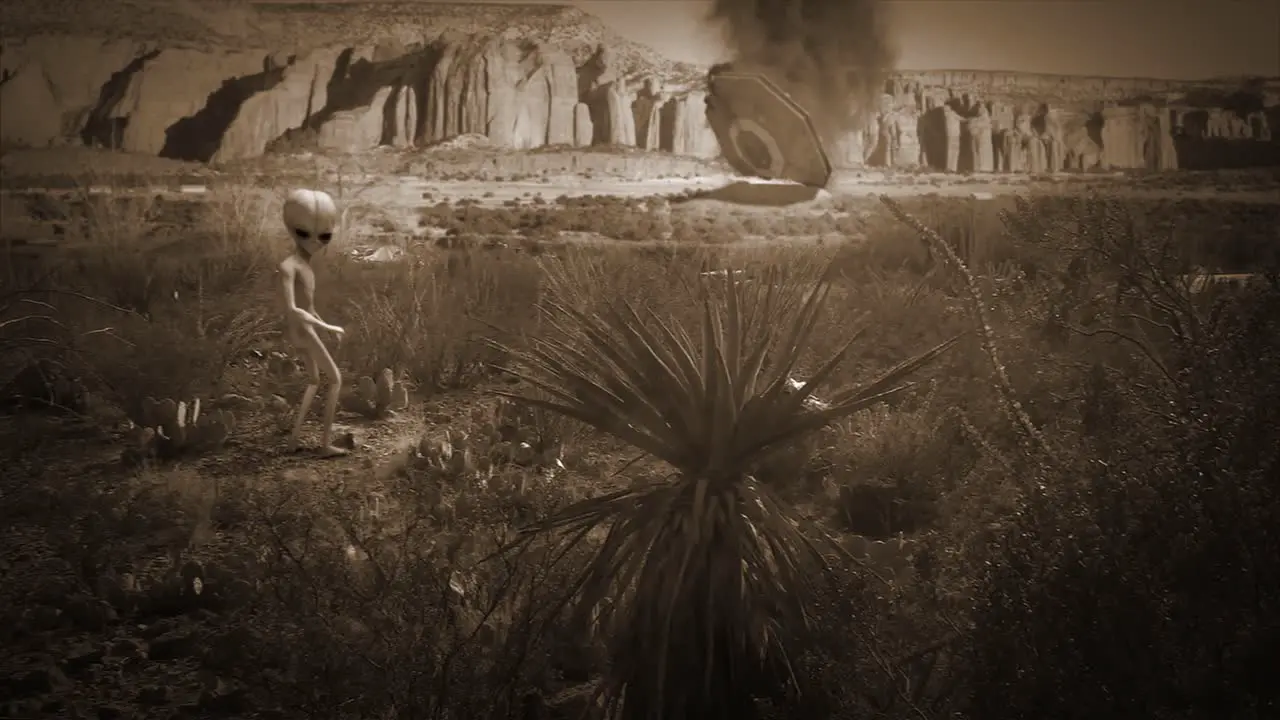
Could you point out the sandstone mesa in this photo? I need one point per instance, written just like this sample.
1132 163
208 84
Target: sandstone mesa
565 81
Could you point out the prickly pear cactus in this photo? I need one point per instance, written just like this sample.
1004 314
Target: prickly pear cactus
168 429
376 399
502 458
498 436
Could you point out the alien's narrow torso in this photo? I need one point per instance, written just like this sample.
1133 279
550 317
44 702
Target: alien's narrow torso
304 291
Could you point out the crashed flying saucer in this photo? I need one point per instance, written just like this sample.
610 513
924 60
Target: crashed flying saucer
762 131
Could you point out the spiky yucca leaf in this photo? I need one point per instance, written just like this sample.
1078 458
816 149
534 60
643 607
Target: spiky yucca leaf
707 572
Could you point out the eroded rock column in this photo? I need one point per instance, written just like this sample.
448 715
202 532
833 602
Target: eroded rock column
982 154
1121 138
952 122
583 128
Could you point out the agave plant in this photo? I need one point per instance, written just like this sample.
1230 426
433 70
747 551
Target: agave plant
696 581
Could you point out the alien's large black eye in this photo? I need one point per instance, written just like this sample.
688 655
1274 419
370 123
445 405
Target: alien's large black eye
325 238
302 234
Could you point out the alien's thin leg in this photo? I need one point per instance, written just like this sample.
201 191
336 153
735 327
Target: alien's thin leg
308 395
326 364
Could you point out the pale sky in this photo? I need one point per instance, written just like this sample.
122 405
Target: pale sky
1143 38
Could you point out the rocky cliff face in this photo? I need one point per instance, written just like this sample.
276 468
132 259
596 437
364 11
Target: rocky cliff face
541 86
218 105
1005 122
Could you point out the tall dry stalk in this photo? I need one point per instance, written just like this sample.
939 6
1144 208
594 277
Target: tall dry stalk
977 305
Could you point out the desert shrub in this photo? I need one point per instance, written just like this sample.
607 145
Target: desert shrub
431 319
153 298
892 467
1138 576
611 217
403 608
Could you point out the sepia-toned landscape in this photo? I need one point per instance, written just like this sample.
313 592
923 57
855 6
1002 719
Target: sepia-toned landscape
984 428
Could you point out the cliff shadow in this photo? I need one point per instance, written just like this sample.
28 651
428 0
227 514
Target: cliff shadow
1093 129
1202 153
1241 102
197 138
1196 123
391 111
667 124
1040 119
100 129
597 102
967 151
356 82
755 194
644 117
931 128
878 156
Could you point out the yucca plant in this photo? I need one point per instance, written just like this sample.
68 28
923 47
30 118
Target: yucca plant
697 581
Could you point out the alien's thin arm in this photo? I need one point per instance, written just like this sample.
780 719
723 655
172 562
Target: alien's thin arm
287 273
310 293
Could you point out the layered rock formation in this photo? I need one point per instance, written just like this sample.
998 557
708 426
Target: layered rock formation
209 105
223 105
984 122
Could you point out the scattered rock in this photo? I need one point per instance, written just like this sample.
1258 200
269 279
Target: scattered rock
82 659
174 646
231 702
224 651
126 648
347 439
158 628
109 712
153 695
232 401
42 618
38 681
88 613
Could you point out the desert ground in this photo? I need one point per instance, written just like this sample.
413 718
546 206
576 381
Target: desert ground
423 575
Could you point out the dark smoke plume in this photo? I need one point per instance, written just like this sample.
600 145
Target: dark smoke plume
832 56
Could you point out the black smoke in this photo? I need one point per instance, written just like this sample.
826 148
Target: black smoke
832 56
